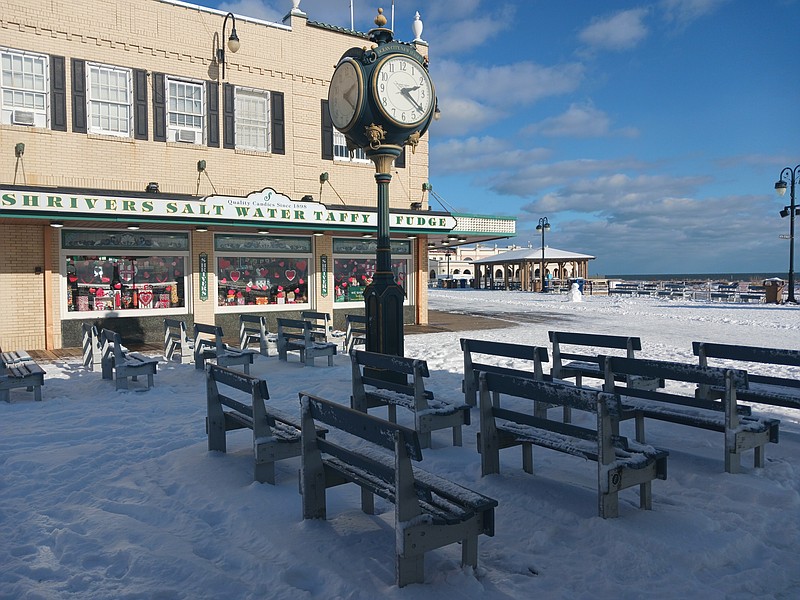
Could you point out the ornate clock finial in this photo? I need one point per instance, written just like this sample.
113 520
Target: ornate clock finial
380 20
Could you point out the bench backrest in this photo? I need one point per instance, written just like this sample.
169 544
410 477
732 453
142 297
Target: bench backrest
256 388
111 344
366 364
205 334
773 356
595 340
294 329
175 331
367 427
321 325
355 330
92 347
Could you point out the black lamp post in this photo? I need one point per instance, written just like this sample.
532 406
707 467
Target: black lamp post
233 42
780 187
544 225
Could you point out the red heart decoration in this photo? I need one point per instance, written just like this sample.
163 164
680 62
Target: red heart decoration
224 264
280 264
145 298
301 265
277 275
73 278
223 280
262 272
117 286
264 287
300 281
100 292
290 274
235 275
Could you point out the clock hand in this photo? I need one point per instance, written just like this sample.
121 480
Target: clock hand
407 94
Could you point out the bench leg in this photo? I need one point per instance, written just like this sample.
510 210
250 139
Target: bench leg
150 381
733 461
264 472
609 505
121 383
392 409
758 457
37 395
527 458
5 395
640 428
646 496
330 360
410 570
424 438
457 440
469 551
367 501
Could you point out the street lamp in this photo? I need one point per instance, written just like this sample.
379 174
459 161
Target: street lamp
233 42
780 187
544 225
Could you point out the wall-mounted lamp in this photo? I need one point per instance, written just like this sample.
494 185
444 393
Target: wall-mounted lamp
263 231
307 198
318 233
445 242
37 270
19 150
233 42
201 229
366 236
411 237
323 177
152 187
56 224
201 166
427 187
452 236
462 238
416 206
133 227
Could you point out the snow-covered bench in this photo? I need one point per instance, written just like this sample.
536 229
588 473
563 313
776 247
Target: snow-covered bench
371 390
298 335
763 389
176 341
19 370
355 332
238 401
92 347
208 345
725 415
620 463
119 364
497 350
253 330
430 512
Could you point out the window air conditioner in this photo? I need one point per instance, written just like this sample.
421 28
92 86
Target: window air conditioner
185 135
22 117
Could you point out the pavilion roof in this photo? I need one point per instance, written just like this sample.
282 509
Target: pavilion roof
532 254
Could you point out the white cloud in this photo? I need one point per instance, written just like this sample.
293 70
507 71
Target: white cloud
684 12
621 31
486 153
579 120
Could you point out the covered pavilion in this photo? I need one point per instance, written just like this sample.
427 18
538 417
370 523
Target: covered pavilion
520 268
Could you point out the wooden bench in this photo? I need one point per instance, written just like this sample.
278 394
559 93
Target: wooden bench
620 464
430 414
238 401
92 347
208 345
19 370
763 389
119 364
355 332
321 327
430 512
298 335
176 341
501 350
253 330
742 431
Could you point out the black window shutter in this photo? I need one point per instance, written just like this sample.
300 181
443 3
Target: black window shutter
78 96
400 161
159 108
228 117
140 104
212 102
327 132
58 94
278 123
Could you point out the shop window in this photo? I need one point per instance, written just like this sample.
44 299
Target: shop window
261 271
354 267
109 100
24 83
114 271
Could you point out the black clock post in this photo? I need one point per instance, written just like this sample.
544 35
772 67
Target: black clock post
382 98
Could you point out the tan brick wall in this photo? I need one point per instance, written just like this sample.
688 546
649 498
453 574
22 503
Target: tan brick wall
22 315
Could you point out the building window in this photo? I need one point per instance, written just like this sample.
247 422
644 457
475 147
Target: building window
340 151
24 84
262 271
252 120
117 271
185 111
109 94
354 267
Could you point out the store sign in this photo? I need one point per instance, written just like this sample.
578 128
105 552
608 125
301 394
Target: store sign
266 206
203 276
323 273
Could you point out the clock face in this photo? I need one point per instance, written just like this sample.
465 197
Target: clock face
403 90
345 95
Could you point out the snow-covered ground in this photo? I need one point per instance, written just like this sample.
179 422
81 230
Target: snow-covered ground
113 495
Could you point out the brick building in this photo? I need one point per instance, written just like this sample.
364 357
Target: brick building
139 182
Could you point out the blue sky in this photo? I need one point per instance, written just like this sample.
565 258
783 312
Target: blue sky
650 134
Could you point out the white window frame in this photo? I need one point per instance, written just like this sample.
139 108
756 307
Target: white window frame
27 98
180 132
95 106
240 94
340 152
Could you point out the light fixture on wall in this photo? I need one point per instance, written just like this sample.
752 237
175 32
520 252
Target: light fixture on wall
318 233
201 168
263 231
19 150
56 224
201 229
326 178
133 227
152 187
366 236
307 198
233 42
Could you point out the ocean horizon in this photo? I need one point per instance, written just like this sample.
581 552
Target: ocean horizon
694 276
